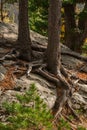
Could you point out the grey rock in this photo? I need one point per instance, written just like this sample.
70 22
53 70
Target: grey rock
78 102
48 95
84 68
78 98
8 96
71 62
8 62
83 87
2 69
1 76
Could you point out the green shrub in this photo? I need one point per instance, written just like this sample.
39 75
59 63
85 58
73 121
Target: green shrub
29 112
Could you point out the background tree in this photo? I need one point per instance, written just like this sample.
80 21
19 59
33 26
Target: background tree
1 10
73 38
2 15
70 25
75 32
53 48
24 40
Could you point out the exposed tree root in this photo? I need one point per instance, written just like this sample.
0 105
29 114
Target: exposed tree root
47 76
42 48
64 88
73 112
59 104
64 71
73 54
37 47
62 80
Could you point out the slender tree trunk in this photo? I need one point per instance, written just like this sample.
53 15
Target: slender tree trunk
53 48
24 40
83 23
2 10
71 35
74 35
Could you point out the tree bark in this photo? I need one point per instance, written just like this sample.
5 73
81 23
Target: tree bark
74 34
2 10
71 34
53 48
24 40
83 23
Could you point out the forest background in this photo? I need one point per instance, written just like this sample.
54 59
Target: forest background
73 20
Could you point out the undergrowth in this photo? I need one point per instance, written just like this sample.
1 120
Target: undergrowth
29 113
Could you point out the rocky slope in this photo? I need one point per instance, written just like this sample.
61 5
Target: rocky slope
13 76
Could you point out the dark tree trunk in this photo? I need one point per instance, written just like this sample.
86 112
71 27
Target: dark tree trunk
71 34
83 24
74 34
2 10
24 40
53 48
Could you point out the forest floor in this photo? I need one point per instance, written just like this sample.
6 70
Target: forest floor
13 77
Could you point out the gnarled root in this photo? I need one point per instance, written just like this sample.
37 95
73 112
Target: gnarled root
63 85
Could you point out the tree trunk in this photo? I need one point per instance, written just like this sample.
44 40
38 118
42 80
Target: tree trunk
2 10
24 40
53 48
83 23
74 34
71 34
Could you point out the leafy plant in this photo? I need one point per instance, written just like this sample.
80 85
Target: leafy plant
29 112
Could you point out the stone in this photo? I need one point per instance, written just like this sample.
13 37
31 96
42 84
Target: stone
1 76
79 98
71 62
2 69
47 94
8 62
